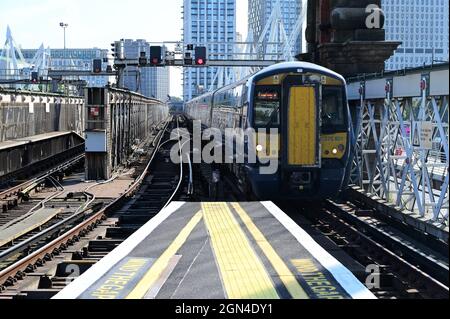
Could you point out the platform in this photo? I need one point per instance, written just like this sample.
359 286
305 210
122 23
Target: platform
32 139
24 225
218 251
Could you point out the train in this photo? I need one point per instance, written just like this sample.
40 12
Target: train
307 105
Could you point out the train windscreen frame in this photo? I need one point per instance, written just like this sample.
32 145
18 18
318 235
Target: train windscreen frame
267 106
334 111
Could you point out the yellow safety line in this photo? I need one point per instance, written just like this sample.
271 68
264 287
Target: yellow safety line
161 264
286 276
243 273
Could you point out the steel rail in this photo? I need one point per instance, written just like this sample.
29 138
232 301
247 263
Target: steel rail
432 267
420 280
16 271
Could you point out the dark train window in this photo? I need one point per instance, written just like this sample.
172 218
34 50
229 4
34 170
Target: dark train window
333 108
267 107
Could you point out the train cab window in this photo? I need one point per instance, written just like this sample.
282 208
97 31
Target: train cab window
267 107
333 108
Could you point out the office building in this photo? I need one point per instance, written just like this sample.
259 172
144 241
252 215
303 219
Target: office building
422 26
210 23
148 81
76 60
261 10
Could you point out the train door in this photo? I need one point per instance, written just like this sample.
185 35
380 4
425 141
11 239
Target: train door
301 123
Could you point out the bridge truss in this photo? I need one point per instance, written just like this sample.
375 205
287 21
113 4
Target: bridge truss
401 128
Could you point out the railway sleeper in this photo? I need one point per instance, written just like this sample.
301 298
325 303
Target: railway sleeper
120 232
134 219
103 245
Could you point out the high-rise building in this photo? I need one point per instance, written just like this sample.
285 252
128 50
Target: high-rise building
75 60
422 26
210 23
148 81
261 10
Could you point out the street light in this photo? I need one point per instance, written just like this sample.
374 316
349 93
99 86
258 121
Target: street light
64 26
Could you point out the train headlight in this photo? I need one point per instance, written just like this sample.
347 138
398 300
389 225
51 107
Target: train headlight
341 148
335 151
259 148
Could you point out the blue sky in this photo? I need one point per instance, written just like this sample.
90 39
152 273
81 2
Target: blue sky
98 23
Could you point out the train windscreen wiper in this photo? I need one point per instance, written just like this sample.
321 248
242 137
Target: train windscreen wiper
273 117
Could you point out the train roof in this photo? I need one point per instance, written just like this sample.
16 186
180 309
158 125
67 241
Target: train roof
294 66
278 68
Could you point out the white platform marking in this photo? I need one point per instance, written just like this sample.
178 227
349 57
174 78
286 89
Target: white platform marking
97 271
342 275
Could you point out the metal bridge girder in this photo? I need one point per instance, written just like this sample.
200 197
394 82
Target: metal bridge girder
386 163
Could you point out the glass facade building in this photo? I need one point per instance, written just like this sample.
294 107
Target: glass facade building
210 23
149 81
261 10
76 59
422 26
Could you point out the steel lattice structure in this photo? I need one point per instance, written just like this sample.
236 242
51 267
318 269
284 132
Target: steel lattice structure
13 65
388 160
11 58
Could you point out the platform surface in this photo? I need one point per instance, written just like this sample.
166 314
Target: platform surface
218 251
32 139
23 225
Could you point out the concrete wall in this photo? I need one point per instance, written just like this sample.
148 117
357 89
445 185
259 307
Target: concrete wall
24 114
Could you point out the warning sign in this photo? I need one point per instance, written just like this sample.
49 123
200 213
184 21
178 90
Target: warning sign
426 135
422 135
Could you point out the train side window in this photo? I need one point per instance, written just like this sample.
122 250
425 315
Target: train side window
333 108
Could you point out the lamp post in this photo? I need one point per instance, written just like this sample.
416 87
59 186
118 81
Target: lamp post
64 26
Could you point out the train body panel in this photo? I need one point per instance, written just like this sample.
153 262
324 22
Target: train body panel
306 105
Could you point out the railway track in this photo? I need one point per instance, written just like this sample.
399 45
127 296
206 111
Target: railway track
407 268
11 197
84 243
8 182
18 237
411 266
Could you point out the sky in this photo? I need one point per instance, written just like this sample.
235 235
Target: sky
98 23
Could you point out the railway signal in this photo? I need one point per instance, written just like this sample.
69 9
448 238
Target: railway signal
188 59
155 55
97 66
143 59
200 56
34 77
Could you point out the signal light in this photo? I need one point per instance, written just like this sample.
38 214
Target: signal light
188 59
200 56
34 77
142 59
155 55
97 66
